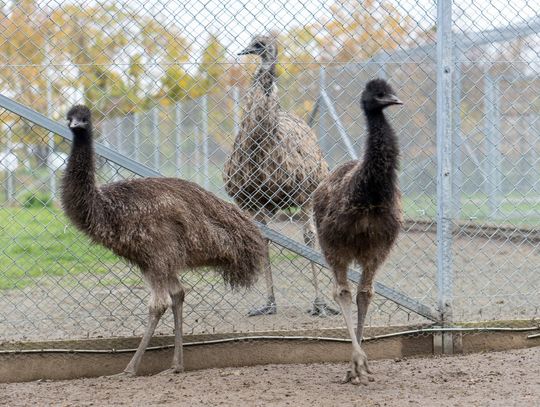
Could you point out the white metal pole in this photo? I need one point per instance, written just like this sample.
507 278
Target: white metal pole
204 112
178 142
445 66
156 135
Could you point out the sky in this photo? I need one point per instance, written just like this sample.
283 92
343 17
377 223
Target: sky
235 21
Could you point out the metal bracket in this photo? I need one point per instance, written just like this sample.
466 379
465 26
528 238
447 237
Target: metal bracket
276 237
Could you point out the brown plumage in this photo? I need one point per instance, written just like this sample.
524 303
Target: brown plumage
357 212
276 162
162 225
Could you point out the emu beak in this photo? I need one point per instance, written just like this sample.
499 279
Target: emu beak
74 123
247 51
390 100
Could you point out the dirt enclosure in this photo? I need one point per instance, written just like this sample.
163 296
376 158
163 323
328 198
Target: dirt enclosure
510 378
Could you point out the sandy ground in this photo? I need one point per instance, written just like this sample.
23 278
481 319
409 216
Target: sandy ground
493 280
510 378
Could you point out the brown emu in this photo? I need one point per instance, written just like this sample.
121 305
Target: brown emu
276 162
357 213
162 225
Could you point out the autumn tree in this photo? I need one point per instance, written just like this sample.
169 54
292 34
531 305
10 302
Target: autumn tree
358 29
213 63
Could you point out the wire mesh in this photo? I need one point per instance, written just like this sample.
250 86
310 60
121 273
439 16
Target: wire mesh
167 90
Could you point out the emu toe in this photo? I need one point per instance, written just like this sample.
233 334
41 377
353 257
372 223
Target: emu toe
322 309
122 375
269 309
360 373
171 371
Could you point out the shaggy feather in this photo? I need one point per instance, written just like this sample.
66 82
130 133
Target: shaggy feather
357 209
162 225
276 160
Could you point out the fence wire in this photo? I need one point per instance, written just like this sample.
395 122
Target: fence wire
168 90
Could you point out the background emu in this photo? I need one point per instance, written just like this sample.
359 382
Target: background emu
162 225
358 214
276 162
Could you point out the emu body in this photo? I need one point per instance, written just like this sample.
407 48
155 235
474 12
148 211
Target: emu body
357 212
162 225
276 162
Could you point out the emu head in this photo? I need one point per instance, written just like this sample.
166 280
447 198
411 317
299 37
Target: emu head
79 117
263 45
378 94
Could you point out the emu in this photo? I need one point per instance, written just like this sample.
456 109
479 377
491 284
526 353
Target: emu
358 215
276 163
161 225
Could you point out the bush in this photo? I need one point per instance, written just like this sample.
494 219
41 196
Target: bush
37 200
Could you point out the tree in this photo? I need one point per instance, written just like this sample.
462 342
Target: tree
213 63
358 29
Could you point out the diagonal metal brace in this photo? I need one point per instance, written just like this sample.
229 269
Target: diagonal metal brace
280 239
384 291
62 130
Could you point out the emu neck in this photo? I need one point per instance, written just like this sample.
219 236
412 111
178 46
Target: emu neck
374 184
79 185
262 107
382 149
266 75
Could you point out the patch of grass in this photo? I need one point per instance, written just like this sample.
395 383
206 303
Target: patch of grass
40 242
37 200
517 210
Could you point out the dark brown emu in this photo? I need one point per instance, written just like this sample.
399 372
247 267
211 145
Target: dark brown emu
163 226
357 213
276 162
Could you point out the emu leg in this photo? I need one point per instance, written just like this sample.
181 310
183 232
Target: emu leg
270 307
319 308
363 299
343 296
178 357
154 315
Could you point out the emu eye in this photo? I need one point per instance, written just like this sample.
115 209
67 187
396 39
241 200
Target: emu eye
380 95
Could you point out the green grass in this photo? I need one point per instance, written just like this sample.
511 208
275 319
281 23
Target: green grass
36 243
517 210
39 242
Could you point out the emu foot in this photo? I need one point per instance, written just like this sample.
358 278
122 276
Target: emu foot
122 375
171 371
269 309
322 309
360 372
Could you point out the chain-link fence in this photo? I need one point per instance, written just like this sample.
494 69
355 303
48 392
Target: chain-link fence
168 91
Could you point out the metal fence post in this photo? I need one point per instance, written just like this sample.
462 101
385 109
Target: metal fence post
236 109
118 138
445 66
178 137
105 134
323 129
534 177
50 136
136 137
457 145
156 137
383 71
10 187
493 146
204 113
197 154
